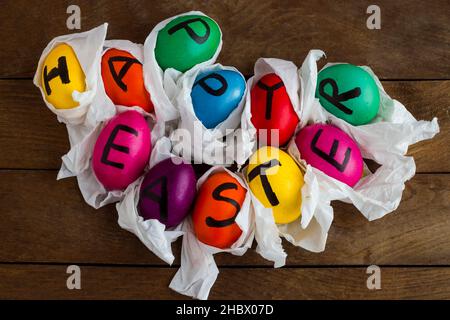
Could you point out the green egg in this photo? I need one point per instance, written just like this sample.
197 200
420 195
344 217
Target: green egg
349 92
187 41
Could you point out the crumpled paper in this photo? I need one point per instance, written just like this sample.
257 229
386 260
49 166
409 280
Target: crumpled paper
151 232
77 162
267 232
267 236
88 46
198 270
287 71
385 141
162 85
211 146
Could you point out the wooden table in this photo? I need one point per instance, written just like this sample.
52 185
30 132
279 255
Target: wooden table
45 225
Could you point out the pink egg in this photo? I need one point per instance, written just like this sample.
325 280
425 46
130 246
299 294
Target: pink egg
332 151
122 150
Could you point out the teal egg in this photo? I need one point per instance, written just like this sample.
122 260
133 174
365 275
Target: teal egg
348 92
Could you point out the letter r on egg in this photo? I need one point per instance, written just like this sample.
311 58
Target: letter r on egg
111 145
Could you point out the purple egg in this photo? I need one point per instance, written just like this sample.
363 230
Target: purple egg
167 192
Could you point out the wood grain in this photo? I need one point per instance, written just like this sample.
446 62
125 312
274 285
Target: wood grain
49 282
44 220
413 42
31 137
46 225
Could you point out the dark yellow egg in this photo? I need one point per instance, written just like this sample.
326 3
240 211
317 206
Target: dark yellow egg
61 76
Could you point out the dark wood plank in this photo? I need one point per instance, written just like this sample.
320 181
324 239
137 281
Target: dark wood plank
30 134
31 137
49 282
44 220
413 42
426 100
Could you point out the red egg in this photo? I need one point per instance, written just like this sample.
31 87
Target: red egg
271 108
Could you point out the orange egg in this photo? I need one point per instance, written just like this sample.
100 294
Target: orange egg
218 203
124 80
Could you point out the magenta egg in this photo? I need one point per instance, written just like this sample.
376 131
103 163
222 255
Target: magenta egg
332 151
122 150
167 192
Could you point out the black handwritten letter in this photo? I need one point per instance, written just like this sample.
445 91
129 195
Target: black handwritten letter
336 98
210 221
111 145
269 97
161 198
330 157
261 172
215 92
61 71
191 33
123 71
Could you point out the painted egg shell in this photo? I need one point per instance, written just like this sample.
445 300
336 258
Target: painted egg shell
167 192
123 80
218 203
276 181
349 92
61 76
122 150
271 109
215 94
332 151
186 41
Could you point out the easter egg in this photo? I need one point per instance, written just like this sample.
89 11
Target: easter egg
332 151
348 92
271 109
123 79
167 192
61 76
122 150
186 41
215 94
276 181
218 203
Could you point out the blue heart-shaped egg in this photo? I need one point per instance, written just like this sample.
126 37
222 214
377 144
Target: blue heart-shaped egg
215 94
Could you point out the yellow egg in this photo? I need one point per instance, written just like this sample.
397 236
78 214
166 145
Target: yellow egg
61 75
276 180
